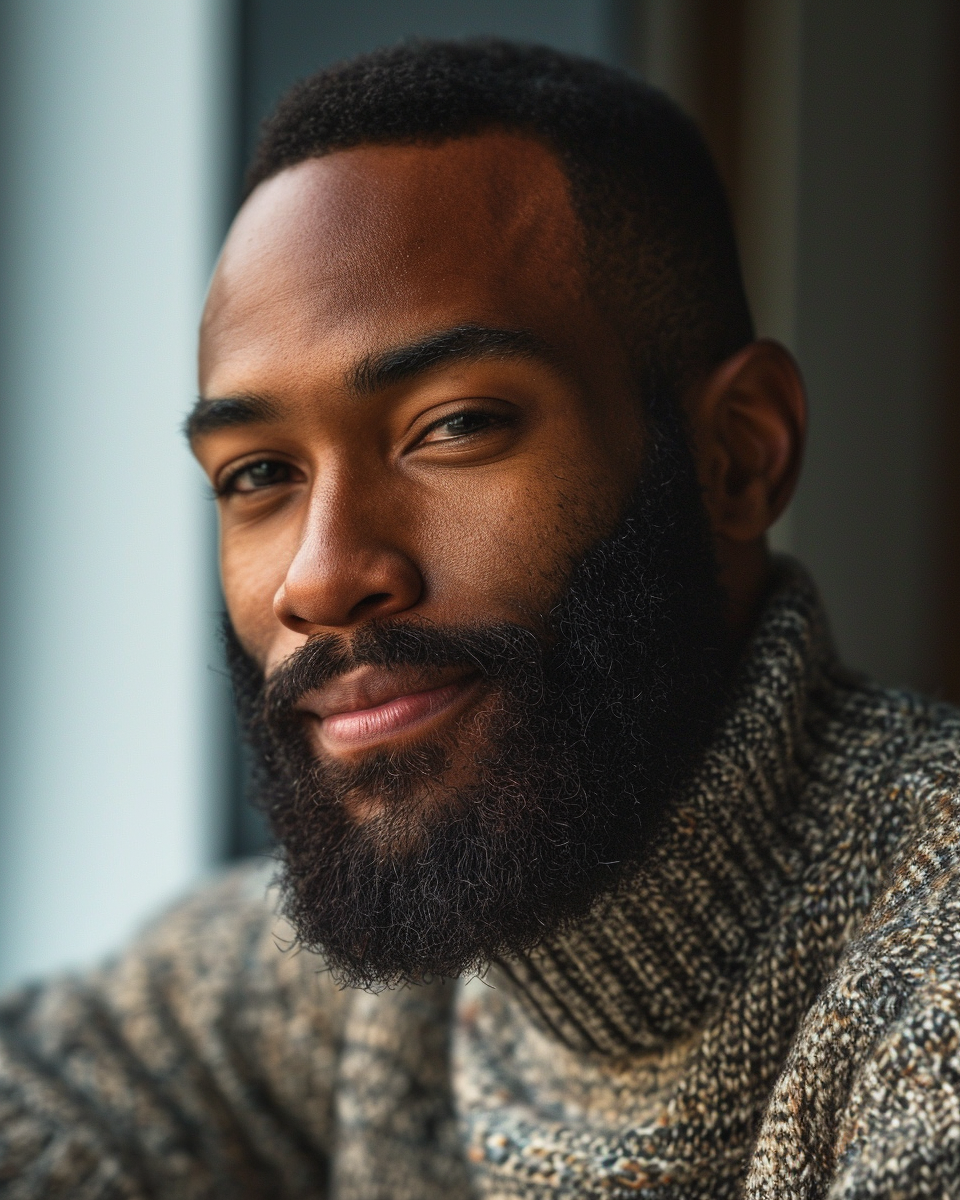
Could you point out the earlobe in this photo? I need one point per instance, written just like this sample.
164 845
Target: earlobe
749 423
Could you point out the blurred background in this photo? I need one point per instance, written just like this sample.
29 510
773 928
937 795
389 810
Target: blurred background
124 129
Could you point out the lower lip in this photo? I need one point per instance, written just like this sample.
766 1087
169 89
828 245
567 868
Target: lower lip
367 726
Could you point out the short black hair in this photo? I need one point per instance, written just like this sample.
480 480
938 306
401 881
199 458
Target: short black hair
659 244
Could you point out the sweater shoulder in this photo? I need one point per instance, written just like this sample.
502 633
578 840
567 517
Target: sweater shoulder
887 759
229 943
867 1100
203 1055
873 723
221 920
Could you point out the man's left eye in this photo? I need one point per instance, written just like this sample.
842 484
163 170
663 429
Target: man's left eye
458 425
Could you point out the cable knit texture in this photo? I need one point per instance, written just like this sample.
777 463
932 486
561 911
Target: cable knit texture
771 1008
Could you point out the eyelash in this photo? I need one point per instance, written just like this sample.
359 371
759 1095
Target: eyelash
229 485
491 421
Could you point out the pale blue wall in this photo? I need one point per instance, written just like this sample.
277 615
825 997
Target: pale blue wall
111 149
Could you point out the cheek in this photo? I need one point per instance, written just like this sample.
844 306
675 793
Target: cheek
505 551
252 569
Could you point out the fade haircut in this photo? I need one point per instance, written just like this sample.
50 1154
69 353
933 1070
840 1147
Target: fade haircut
659 248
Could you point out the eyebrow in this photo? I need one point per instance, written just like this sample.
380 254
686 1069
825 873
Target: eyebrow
462 343
376 372
207 416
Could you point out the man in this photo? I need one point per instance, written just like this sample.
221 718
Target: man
598 875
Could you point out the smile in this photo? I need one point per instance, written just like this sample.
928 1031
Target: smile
370 709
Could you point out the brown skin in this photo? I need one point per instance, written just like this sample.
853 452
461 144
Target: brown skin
375 508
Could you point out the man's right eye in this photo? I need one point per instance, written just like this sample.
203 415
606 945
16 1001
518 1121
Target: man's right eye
254 476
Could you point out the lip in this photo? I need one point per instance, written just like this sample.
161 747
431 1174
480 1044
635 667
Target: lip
370 706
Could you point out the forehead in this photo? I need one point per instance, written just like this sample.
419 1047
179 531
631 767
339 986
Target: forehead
363 246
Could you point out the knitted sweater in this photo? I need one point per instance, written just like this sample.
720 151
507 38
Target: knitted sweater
771 1008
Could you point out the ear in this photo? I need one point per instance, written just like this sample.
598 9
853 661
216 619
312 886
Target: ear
748 422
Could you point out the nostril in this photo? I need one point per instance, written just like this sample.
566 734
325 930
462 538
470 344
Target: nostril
371 602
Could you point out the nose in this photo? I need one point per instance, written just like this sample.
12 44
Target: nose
347 569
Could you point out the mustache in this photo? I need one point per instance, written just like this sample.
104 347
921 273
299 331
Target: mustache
495 650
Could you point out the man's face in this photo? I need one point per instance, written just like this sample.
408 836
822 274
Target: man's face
418 424
456 487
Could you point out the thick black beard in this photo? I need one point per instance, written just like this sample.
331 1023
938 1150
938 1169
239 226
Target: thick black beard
595 728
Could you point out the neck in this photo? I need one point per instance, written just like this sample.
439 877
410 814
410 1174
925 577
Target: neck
746 573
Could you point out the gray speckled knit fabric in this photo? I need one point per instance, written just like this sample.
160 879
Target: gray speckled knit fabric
771 1009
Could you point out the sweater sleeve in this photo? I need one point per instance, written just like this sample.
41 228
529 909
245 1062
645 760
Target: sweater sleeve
868 1104
902 1134
198 1065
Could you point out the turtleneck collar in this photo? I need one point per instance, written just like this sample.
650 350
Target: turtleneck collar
657 954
